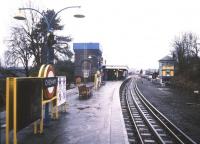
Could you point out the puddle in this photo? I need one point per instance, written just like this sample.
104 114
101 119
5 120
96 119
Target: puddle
83 107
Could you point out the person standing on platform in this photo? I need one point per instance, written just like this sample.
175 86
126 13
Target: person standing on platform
97 80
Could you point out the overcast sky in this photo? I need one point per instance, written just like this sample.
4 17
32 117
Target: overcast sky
136 33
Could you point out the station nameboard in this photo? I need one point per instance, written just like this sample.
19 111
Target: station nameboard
50 82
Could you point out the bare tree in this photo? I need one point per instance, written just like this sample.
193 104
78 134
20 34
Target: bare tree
18 51
27 42
186 53
179 53
20 43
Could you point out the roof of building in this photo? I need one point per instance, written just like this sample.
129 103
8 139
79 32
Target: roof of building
116 67
167 58
95 46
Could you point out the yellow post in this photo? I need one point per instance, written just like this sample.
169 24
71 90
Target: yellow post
41 122
42 118
41 71
7 109
35 127
56 109
15 112
40 74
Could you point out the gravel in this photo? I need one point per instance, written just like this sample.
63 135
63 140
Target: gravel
179 106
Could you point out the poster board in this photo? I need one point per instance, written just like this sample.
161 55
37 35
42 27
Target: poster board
61 90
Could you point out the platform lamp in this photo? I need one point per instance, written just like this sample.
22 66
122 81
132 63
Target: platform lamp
98 60
47 54
47 57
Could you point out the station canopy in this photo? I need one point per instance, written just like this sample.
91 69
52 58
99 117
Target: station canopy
124 67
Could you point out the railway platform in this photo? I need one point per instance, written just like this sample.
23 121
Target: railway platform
97 120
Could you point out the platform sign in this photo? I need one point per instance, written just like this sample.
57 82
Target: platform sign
61 90
48 72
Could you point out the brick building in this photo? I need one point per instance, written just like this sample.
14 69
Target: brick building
88 59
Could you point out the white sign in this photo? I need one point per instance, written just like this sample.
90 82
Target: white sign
85 73
61 90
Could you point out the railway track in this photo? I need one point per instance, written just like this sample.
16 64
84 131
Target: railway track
144 123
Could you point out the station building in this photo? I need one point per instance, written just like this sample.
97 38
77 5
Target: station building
88 59
166 68
115 72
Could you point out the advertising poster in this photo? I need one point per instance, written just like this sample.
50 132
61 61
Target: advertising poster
61 90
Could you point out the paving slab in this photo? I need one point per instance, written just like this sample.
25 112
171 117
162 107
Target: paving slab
96 120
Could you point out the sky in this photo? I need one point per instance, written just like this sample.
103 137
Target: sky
136 33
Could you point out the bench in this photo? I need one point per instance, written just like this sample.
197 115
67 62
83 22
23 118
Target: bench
85 90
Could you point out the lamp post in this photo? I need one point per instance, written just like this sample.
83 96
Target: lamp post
96 64
47 55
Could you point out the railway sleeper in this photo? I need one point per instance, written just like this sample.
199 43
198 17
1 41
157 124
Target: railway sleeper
169 142
159 130
139 125
132 141
138 119
139 122
130 134
129 126
129 129
149 141
146 134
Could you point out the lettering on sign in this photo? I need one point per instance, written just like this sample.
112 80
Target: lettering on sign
50 82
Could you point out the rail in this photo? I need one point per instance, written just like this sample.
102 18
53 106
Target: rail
149 125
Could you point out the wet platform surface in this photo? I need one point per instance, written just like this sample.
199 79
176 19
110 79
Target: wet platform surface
96 120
